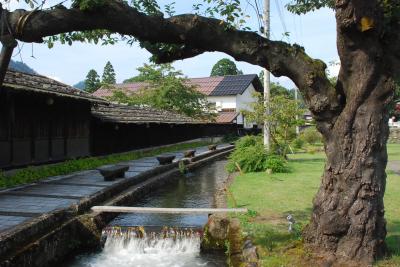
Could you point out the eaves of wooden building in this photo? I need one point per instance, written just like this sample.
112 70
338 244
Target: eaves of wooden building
118 128
42 120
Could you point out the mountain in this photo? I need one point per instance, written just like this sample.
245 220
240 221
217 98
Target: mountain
80 85
21 67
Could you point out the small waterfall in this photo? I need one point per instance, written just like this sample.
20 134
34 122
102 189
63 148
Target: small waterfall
166 241
134 246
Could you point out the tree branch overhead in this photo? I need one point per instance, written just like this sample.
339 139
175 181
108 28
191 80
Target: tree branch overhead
193 35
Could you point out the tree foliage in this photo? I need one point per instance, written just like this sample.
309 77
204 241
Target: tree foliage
304 6
108 76
154 72
92 81
225 67
167 89
285 114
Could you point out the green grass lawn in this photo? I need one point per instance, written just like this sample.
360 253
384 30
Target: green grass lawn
272 197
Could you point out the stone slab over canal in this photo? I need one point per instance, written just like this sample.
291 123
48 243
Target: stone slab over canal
44 216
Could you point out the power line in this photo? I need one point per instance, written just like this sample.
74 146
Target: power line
281 17
256 10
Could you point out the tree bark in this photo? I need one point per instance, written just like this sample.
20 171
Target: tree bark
348 215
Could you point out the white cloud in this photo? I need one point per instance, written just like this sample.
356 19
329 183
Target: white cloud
333 68
58 79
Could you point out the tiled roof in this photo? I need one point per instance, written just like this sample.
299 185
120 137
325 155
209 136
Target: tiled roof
210 86
126 87
226 117
206 85
138 115
41 84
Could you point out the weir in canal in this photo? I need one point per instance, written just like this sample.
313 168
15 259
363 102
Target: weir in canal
161 240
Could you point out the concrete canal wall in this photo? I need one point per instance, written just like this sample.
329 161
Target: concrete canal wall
48 239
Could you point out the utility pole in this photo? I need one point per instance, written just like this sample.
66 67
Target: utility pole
297 117
266 19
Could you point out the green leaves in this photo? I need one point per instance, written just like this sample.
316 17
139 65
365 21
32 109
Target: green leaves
251 156
225 67
166 89
304 6
108 76
88 5
92 81
103 37
285 114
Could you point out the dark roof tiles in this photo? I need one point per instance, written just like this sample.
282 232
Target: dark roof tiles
41 84
138 114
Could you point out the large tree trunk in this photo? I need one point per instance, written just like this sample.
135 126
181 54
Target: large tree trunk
348 215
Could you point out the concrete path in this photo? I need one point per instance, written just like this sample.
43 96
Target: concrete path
394 165
18 205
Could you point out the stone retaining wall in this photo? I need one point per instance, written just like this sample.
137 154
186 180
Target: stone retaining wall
394 136
222 229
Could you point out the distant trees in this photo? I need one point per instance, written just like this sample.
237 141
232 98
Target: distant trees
108 76
277 89
154 72
92 81
167 89
225 67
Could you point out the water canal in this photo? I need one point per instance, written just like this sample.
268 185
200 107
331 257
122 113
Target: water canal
183 249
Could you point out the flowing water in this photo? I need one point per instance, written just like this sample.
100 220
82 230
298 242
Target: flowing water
162 240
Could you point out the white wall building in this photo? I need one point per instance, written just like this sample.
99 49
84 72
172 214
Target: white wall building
230 94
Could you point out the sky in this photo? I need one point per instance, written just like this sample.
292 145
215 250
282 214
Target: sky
315 31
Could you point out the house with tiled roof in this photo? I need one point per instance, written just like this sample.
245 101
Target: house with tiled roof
230 94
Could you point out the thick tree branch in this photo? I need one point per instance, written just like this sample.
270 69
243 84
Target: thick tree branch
197 34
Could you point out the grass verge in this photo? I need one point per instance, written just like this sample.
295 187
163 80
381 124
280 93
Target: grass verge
33 174
271 197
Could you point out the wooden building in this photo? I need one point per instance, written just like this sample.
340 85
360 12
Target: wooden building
118 128
42 120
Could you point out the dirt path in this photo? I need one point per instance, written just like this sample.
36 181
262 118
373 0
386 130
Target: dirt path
394 165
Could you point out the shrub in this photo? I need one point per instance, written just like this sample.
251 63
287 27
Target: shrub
251 156
298 143
277 164
229 138
311 136
248 140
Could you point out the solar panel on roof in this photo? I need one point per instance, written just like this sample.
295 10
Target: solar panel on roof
233 85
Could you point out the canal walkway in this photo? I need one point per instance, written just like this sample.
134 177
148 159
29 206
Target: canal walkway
22 204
